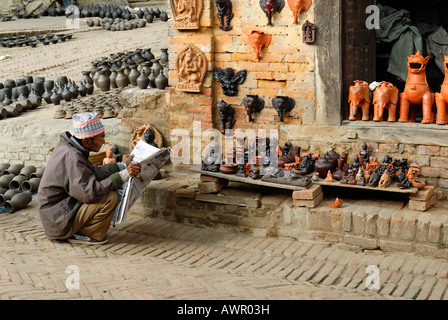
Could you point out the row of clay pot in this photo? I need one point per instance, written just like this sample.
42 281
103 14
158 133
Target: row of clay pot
21 40
106 104
136 68
16 183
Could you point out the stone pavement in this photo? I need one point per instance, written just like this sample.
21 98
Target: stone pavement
155 259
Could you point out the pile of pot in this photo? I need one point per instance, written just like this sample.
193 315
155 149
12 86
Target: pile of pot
106 104
32 41
20 95
17 183
135 68
65 89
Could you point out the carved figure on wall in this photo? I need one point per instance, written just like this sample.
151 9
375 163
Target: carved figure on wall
139 134
308 32
417 92
270 7
224 10
253 104
229 79
192 66
283 104
258 41
442 98
359 98
226 116
385 97
187 14
298 6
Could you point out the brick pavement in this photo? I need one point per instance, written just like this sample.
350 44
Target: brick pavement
147 258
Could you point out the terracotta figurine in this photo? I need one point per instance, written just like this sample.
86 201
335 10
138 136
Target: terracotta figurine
109 157
336 204
417 91
187 14
259 40
359 98
308 32
385 97
442 98
192 66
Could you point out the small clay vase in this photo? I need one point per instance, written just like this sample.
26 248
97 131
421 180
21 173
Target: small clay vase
38 174
164 56
113 75
14 169
133 75
103 80
142 80
121 80
27 171
86 77
17 202
16 182
156 66
152 77
161 81
56 97
322 166
5 179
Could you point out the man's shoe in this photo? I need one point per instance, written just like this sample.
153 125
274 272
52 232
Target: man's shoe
81 239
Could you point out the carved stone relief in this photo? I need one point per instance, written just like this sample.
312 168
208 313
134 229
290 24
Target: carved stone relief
192 67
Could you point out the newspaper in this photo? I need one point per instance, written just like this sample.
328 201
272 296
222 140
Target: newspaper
151 160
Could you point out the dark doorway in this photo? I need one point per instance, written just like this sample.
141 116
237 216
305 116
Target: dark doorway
358 47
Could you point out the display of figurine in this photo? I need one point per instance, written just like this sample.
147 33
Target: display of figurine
212 158
385 180
118 157
226 116
282 176
307 163
285 155
374 179
149 136
329 177
109 157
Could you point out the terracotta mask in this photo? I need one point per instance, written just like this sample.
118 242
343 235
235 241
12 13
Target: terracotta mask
270 7
298 6
192 67
187 14
259 40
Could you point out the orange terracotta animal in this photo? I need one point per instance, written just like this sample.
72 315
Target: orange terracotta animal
385 97
417 92
442 98
359 99
298 6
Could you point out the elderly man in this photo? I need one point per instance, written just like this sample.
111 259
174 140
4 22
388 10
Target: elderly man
76 199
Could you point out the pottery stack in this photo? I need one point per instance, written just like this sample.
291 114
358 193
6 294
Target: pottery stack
33 41
136 68
17 184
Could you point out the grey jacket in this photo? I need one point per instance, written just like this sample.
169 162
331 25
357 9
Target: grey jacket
69 181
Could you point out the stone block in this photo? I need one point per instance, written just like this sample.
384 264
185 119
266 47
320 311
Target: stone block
309 203
383 223
211 187
365 243
206 178
394 246
359 221
347 221
307 194
423 194
232 196
188 193
422 205
273 201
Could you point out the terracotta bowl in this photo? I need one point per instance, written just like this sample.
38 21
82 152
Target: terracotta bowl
228 168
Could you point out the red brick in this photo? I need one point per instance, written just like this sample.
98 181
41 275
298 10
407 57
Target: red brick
423 194
211 187
439 162
422 205
307 194
429 150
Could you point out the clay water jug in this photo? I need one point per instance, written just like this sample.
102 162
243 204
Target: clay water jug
86 77
164 56
27 171
133 74
156 66
14 169
142 80
38 174
56 97
152 77
17 202
66 94
8 196
30 185
161 81
5 179
121 79
113 75
103 80
15 183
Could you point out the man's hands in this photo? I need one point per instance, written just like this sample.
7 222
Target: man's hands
132 167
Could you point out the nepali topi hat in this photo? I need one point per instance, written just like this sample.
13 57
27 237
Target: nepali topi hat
87 125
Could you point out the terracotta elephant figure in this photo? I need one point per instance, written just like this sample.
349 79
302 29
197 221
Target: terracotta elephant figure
385 97
442 98
359 98
417 92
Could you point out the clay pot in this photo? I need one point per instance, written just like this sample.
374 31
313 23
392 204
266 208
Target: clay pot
3 166
161 81
133 74
56 97
164 56
47 96
62 80
142 80
86 77
156 66
16 182
113 75
228 168
38 174
17 202
30 185
103 80
49 85
122 80
27 171
152 77
14 169
5 179
66 94
322 166
163 16
147 55
8 196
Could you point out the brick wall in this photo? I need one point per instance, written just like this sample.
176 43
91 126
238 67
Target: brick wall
286 67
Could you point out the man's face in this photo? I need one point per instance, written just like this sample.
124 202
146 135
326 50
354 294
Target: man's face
94 144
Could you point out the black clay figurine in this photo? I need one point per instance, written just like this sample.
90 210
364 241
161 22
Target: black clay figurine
229 79
270 7
226 116
283 105
224 10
